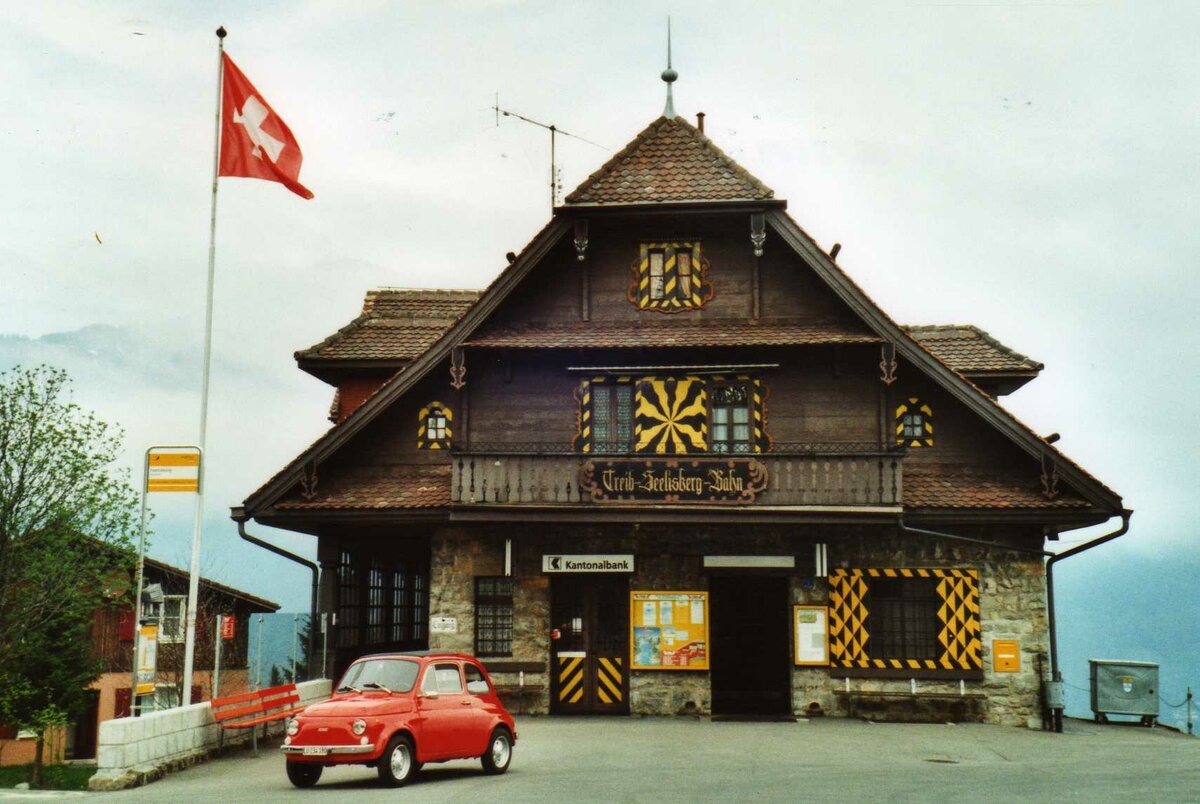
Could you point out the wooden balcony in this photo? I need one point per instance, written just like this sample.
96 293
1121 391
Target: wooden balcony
506 477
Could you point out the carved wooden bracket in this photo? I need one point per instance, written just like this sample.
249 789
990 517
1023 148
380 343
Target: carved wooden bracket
308 481
458 369
581 239
887 363
1049 477
758 232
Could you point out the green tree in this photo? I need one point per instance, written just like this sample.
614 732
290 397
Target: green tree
65 547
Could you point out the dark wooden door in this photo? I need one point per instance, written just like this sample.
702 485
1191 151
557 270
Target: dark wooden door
83 739
751 666
590 645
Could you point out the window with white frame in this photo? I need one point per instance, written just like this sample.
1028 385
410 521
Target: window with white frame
173 620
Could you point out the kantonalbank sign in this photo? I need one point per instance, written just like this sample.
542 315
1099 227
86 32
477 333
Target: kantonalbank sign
596 563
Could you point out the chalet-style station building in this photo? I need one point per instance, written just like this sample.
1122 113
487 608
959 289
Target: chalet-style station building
673 460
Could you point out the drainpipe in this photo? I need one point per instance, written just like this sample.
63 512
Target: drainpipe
1054 692
238 514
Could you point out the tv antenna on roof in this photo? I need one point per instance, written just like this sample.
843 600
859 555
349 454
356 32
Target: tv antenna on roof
554 132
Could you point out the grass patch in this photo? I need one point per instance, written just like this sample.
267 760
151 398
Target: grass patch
54 777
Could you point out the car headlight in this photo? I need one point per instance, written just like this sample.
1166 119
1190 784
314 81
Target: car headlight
359 726
293 727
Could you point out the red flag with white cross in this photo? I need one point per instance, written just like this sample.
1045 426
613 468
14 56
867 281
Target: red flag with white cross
255 142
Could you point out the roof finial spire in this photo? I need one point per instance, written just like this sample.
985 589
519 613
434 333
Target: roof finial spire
669 76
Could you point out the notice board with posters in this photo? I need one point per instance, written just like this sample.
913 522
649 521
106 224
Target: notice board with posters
810 635
669 630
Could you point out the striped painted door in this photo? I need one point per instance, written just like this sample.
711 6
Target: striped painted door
590 655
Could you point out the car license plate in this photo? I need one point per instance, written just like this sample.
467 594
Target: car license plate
315 751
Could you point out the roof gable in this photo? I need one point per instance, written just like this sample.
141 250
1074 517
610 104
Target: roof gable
593 192
670 161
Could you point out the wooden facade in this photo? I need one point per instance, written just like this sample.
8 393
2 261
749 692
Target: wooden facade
674 370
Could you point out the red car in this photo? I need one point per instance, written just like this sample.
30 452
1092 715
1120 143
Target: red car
397 711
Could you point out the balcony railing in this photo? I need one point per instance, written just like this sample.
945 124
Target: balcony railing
836 475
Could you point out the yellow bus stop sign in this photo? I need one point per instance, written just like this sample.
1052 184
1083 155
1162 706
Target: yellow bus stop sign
176 469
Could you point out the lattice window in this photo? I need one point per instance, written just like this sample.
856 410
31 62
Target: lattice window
605 415
905 619
493 616
420 606
670 277
375 602
612 418
349 601
401 606
672 415
731 430
914 423
434 426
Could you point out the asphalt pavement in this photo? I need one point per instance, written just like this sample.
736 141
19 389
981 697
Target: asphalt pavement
653 759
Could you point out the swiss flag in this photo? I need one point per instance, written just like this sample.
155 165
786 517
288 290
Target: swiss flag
255 142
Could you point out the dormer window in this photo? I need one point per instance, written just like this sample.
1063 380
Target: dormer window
433 427
670 277
914 423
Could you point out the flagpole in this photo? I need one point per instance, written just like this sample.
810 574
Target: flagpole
194 578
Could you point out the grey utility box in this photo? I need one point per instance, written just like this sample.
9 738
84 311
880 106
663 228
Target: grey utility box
1124 688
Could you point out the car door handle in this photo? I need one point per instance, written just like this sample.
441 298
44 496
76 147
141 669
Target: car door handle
466 702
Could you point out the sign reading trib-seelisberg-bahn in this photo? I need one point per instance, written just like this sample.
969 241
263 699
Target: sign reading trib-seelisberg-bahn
675 480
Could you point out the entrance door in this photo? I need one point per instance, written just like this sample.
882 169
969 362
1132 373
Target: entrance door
751 667
590 657
81 740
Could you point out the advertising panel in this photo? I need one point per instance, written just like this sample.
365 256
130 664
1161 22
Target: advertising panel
810 634
669 630
147 659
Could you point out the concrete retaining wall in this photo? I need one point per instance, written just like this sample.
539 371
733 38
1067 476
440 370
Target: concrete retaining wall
137 750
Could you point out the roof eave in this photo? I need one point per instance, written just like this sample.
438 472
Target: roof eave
687 205
330 371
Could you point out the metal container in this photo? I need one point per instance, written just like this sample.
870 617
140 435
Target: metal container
1122 687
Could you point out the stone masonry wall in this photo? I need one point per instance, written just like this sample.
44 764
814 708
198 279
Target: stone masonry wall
1012 602
1012 605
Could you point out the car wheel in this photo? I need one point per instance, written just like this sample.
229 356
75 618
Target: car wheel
302 774
499 752
399 761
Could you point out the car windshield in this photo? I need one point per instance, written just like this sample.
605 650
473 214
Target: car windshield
394 675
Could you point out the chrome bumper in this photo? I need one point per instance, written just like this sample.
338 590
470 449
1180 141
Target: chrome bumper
326 750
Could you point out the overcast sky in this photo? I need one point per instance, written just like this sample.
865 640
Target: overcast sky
1028 167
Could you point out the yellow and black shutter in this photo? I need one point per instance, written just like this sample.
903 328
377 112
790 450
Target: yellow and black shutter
959 645
670 277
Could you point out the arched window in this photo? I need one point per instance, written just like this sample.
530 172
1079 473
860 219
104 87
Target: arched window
433 426
914 423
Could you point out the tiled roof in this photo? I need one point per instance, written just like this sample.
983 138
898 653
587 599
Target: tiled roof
395 324
669 161
377 488
941 489
673 333
969 350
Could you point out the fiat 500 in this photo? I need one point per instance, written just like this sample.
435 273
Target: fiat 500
395 712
